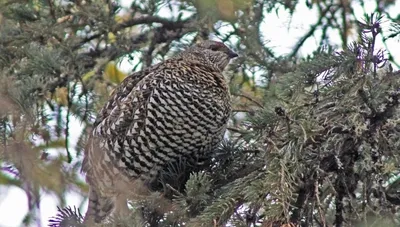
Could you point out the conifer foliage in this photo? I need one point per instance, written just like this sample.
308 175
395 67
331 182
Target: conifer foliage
313 140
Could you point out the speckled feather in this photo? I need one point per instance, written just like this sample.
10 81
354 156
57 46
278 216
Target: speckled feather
177 108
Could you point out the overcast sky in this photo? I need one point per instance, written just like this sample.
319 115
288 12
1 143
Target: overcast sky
13 201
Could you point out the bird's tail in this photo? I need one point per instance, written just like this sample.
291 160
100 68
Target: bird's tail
99 208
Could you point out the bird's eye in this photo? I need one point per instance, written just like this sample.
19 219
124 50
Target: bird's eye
214 48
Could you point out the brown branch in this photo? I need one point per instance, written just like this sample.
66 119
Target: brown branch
344 5
151 20
320 211
313 28
237 130
137 21
148 55
339 219
52 12
250 99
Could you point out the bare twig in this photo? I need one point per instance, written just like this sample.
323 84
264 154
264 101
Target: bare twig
313 28
320 211
238 130
137 21
52 12
250 99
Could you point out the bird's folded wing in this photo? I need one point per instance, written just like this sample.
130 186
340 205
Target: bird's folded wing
129 97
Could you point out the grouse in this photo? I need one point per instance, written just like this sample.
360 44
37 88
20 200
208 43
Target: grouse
177 108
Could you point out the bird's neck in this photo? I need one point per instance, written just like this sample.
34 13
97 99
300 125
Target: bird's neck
198 57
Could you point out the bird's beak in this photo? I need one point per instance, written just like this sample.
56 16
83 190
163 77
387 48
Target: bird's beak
232 54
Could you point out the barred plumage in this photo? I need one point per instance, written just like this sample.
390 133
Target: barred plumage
178 108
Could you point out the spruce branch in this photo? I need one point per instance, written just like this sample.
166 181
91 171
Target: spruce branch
67 217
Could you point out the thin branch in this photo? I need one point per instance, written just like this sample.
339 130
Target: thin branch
250 99
320 211
52 11
137 21
339 219
345 27
69 104
312 30
237 130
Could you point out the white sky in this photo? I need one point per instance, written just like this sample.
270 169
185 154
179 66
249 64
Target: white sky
13 201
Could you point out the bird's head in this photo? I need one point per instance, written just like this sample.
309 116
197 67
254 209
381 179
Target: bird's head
213 51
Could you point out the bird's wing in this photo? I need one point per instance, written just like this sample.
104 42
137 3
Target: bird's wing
116 105
123 111
119 94
124 107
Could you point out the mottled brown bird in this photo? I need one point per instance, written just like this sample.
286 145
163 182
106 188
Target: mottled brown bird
177 108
